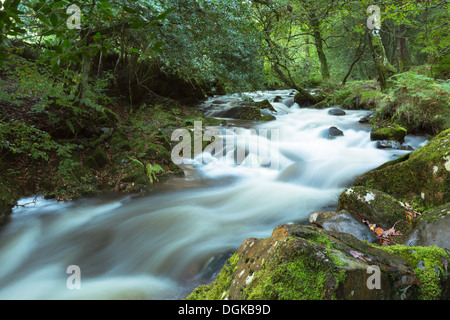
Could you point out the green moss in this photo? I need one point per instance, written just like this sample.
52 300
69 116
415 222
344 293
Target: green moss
303 275
265 104
390 132
422 175
428 264
219 289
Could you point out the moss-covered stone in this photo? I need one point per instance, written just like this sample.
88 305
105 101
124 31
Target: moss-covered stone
245 112
421 178
431 268
264 104
303 262
373 205
390 132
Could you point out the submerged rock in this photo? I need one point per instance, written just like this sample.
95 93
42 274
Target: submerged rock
422 177
306 263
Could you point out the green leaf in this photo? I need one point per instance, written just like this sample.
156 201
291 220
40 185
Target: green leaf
129 10
54 19
70 125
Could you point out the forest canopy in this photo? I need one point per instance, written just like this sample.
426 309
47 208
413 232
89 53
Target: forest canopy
238 45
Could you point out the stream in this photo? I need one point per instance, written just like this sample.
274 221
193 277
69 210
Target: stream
165 243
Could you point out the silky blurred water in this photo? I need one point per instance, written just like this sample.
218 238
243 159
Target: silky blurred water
163 244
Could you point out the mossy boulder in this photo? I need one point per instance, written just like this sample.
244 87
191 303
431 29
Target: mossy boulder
264 104
373 205
303 262
430 266
421 177
304 100
388 132
245 113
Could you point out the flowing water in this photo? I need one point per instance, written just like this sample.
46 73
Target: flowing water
163 244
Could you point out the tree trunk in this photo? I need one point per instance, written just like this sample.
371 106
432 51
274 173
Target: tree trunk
382 64
358 54
318 42
403 60
307 54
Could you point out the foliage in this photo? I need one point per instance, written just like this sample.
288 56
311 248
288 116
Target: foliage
417 102
18 138
214 41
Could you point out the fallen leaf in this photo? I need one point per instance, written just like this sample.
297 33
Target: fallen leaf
359 255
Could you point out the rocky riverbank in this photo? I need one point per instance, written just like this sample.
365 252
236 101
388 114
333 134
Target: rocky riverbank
395 221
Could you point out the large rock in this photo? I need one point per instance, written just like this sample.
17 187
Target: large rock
264 104
389 132
303 262
373 205
244 113
421 177
432 229
344 222
336 112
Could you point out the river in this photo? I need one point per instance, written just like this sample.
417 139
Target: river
163 244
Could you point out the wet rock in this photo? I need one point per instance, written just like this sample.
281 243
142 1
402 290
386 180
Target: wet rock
219 102
390 132
432 229
303 101
278 99
366 119
373 205
334 132
265 104
336 112
307 263
392 144
422 176
344 222
244 113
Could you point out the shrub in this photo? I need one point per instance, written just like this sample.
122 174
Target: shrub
416 102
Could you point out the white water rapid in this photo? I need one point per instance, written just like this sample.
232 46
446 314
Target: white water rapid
164 244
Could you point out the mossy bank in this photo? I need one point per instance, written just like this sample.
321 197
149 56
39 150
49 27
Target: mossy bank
307 263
